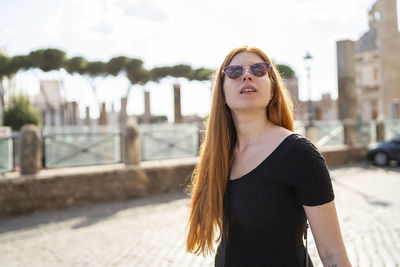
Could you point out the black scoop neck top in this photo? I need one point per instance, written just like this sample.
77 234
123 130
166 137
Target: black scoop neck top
271 155
264 218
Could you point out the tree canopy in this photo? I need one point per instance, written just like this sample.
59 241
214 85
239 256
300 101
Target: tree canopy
285 71
54 59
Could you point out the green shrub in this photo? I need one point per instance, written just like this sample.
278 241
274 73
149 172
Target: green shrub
19 112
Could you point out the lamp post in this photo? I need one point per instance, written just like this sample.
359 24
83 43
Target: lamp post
307 59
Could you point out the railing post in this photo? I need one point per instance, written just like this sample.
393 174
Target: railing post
349 131
312 133
147 111
380 130
177 104
132 155
103 115
30 149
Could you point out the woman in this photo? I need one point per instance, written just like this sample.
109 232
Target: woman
257 182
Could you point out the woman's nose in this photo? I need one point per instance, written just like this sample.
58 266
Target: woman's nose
247 75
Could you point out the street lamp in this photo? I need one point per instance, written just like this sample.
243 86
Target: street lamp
307 59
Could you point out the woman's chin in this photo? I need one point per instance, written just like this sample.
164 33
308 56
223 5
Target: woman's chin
249 108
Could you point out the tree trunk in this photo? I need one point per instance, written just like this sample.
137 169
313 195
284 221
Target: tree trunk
94 90
1 94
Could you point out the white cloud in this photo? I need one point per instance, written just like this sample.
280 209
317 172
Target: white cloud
103 27
145 9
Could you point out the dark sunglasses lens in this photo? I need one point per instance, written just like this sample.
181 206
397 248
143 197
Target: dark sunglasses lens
233 72
259 69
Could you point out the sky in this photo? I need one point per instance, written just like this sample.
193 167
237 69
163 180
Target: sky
162 33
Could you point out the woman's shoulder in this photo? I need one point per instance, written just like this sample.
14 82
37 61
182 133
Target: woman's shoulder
303 151
303 144
295 146
298 140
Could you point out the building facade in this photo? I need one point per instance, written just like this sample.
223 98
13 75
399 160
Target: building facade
368 69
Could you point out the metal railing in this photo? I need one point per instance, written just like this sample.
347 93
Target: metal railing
79 146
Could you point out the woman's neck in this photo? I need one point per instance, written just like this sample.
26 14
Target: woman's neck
251 128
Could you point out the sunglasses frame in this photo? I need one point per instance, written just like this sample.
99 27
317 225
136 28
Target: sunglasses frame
268 65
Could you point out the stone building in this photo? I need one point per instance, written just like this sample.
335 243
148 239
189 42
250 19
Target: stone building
55 110
324 109
368 80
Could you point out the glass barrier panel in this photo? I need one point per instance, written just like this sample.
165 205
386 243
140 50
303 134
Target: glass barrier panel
79 146
392 129
365 132
163 141
329 132
6 154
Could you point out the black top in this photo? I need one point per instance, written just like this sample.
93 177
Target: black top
264 219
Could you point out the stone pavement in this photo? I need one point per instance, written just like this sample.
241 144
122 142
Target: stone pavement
150 231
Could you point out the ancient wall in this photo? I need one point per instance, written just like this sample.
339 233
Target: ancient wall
389 51
57 188
347 101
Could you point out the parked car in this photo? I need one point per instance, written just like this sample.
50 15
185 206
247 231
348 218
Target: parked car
383 152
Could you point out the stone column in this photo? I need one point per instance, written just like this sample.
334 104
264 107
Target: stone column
122 124
52 116
68 113
177 104
380 130
62 115
347 100
312 133
65 118
349 131
123 114
388 42
87 119
30 149
147 112
103 114
131 148
74 113
44 116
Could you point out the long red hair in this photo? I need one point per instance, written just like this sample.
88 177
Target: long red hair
210 176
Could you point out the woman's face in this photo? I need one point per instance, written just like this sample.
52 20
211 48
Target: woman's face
236 95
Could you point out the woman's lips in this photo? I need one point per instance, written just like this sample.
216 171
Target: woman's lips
248 89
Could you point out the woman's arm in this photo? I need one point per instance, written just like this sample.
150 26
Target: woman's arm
326 232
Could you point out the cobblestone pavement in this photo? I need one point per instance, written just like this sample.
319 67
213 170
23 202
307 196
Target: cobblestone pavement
150 231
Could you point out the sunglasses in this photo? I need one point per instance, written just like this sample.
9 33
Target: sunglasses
235 71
